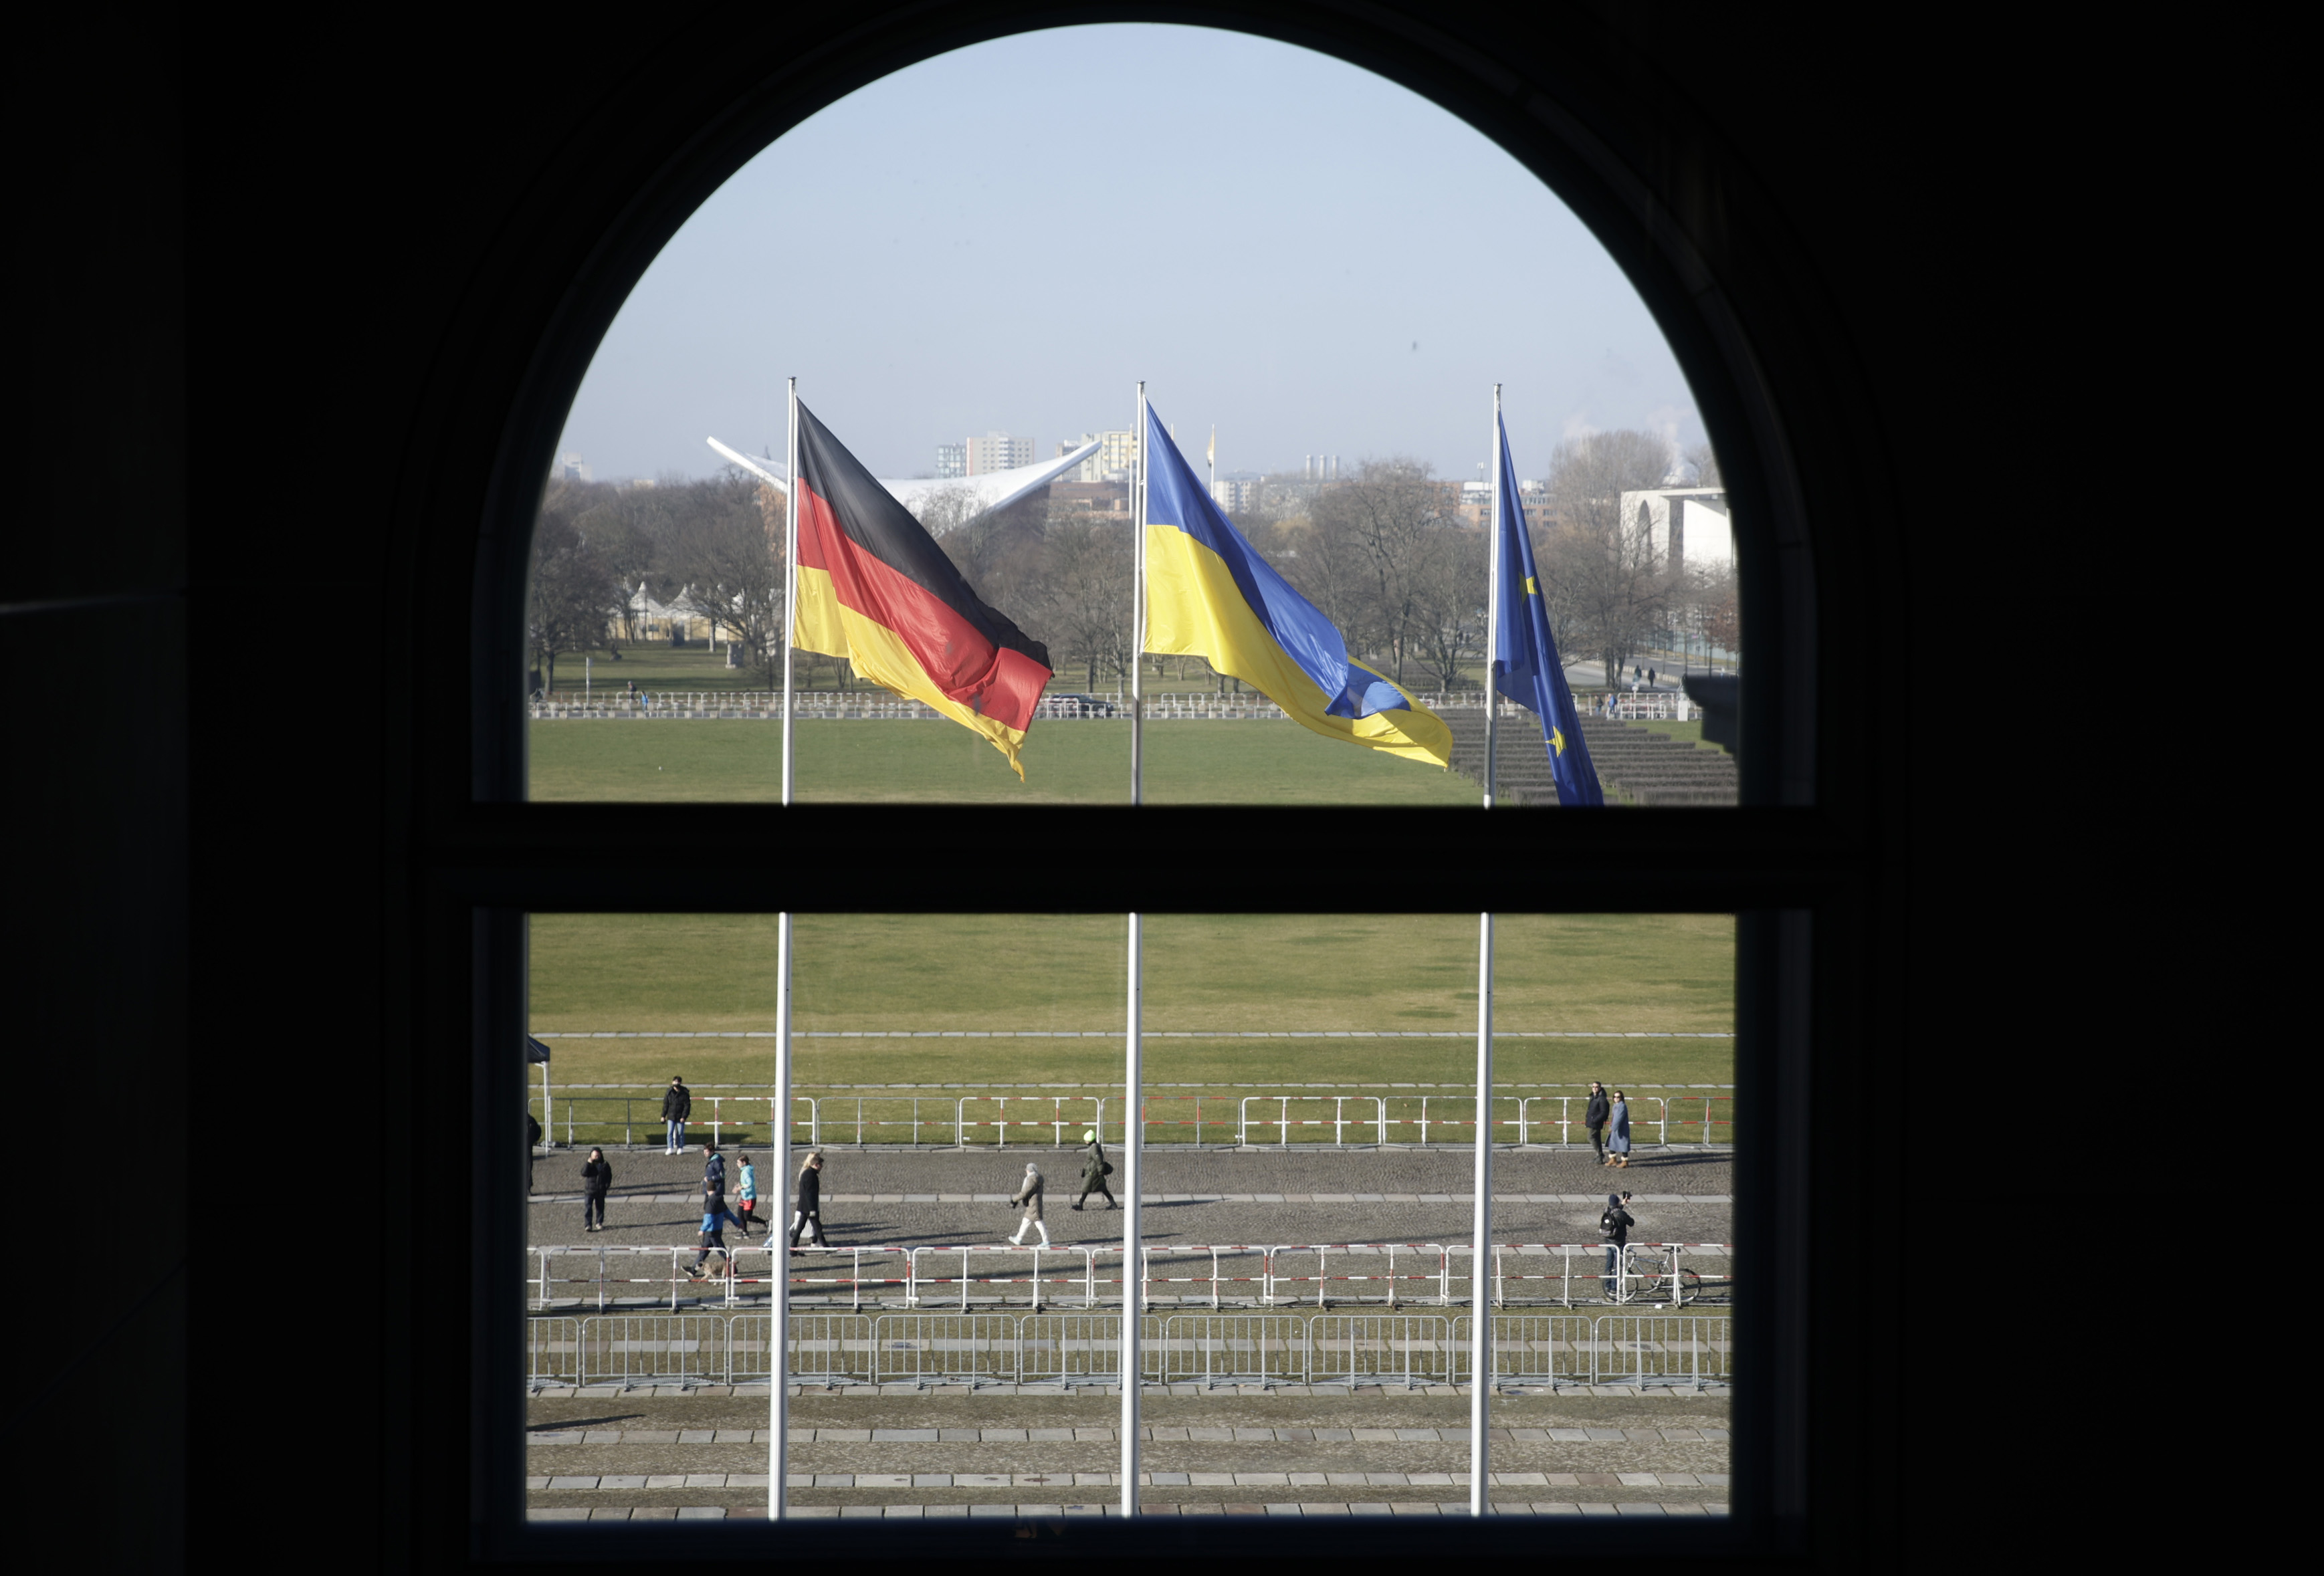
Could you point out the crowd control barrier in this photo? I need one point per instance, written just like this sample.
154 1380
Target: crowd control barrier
1049 1121
1086 1277
919 1348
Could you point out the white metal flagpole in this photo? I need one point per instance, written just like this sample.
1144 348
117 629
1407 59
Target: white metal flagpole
1493 605
778 1352
1133 1145
779 1366
1137 474
1133 1047
790 583
1481 1267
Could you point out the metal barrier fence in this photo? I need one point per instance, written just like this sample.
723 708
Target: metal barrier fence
1089 1275
1051 1120
1208 1348
872 705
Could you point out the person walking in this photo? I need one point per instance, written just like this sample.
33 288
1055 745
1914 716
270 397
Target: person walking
1029 1193
596 1181
809 1214
1594 1119
531 1142
1616 1223
746 1195
714 1172
676 1105
715 1218
1094 1167
1618 1131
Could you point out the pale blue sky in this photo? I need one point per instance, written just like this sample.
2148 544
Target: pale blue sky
1011 235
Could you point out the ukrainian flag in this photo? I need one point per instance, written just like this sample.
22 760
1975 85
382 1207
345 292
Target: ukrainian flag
1210 594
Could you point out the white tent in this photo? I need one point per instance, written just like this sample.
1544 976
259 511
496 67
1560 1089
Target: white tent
994 489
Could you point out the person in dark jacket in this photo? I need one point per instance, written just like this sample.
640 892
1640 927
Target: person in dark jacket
809 1214
1094 1170
596 1181
676 1105
1615 1223
531 1142
1594 1119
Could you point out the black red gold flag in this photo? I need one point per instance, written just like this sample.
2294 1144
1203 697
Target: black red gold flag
876 588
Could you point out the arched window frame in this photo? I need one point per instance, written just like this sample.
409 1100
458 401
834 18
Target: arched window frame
1696 237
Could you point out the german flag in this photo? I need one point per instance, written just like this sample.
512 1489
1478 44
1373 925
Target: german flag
875 588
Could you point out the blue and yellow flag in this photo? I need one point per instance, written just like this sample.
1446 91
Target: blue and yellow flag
1210 594
1525 667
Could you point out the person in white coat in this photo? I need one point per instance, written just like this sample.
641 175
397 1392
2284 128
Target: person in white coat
1029 1193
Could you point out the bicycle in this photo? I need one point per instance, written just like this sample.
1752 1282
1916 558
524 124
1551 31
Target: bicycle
1645 1276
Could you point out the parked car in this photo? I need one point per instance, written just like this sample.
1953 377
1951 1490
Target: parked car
1080 705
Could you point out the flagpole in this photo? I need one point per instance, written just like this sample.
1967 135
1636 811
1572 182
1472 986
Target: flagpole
1137 607
1133 1047
778 1421
1493 604
1133 1145
790 583
778 1387
1481 1267
1480 1300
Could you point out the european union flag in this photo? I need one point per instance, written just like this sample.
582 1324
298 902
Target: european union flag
1525 667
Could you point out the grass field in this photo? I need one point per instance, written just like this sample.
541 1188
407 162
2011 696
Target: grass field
926 762
712 974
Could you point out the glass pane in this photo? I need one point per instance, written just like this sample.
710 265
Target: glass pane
1326 383
1306 1263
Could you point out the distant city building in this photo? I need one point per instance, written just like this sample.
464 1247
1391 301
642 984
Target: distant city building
1099 497
952 461
997 451
573 468
1323 467
1116 455
1688 527
1238 491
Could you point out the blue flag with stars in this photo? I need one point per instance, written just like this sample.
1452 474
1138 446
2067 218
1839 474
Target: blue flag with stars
1525 667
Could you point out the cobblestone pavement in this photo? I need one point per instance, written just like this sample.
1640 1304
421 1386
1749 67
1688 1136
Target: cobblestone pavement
602 1455
915 1198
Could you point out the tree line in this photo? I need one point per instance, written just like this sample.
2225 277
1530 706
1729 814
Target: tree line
1383 553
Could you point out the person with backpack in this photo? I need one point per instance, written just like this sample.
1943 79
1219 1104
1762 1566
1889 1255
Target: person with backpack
1594 1119
676 1105
1618 1131
1615 1223
1094 1167
597 1181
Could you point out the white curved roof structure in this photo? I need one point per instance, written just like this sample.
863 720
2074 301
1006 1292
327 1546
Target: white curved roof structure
993 490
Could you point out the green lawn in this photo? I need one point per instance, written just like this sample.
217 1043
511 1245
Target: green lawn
711 973
1065 762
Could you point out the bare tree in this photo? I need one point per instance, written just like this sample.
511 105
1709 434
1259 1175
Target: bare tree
1450 594
1705 461
717 536
1086 592
1607 587
1377 538
572 598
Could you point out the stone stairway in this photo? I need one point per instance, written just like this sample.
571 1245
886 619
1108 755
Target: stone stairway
1651 769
